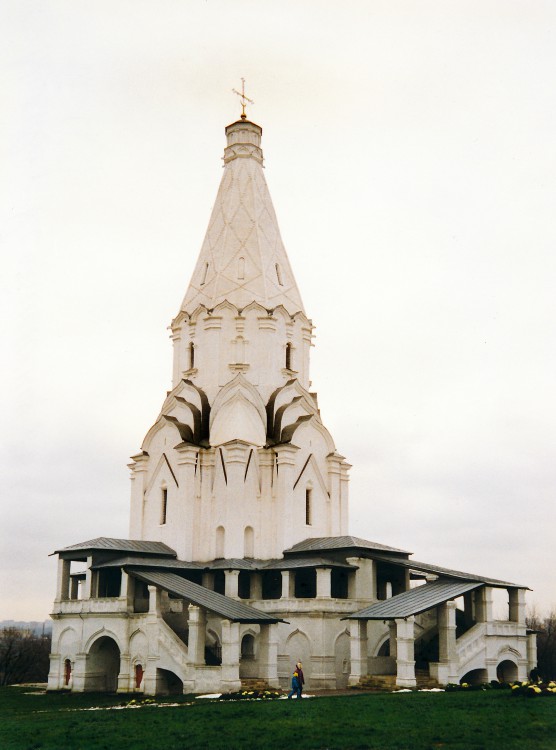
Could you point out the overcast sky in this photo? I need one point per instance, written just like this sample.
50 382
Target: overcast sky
410 152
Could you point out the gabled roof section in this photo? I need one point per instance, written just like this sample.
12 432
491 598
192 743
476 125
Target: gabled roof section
320 544
120 545
243 258
414 601
203 597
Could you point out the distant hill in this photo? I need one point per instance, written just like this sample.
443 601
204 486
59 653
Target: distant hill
38 628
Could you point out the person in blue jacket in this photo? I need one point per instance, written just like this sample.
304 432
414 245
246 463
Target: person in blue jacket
296 688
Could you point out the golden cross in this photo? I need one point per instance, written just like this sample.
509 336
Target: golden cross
244 99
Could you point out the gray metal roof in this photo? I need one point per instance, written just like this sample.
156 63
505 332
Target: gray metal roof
446 572
149 562
235 563
221 605
318 544
414 601
307 562
121 545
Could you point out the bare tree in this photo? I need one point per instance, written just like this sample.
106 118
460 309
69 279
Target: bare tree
23 656
545 627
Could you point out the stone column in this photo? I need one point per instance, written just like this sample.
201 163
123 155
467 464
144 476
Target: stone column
124 676
230 656
447 631
126 589
531 651
324 583
288 584
149 675
446 669
406 652
232 582
334 461
256 586
358 651
63 580
55 673
517 605
90 581
184 510
196 621
208 580
79 673
393 630
362 584
286 455
484 605
138 469
154 600
268 654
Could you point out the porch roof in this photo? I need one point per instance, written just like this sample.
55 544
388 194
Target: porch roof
108 544
422 567
329 543
203 597
414 601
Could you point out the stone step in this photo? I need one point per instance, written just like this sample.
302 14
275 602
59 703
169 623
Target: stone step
254 683
383 682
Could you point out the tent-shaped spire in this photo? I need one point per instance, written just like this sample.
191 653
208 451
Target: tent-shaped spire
243 258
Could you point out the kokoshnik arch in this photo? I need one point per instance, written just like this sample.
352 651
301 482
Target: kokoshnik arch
239 560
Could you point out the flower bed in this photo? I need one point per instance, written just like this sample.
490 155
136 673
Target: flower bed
534 689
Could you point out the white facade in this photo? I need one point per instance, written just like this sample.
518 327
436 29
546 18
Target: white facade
238 491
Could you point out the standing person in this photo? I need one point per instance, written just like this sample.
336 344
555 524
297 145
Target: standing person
300 678
296 685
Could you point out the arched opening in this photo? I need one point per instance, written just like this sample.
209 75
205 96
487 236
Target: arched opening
475 677
506 671
67 672
191 355
241 268
288 356
248 542
139 672
308 506
220 539
163 504
213 650
103 665
168 683
298 648
342 660
384 649
248 646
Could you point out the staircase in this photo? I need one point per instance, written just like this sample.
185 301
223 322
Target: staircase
424 680
254 683
377 683
380 683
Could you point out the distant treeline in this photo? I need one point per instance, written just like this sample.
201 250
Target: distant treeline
23 655
37 627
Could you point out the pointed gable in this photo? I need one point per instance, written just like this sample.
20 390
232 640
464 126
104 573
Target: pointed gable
243 258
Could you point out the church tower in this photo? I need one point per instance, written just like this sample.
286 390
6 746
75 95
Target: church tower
238 463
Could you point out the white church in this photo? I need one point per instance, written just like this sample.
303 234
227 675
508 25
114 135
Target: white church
239 560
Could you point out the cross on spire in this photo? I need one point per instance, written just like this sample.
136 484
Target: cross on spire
244 99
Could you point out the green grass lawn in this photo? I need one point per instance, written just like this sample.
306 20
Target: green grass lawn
492 720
